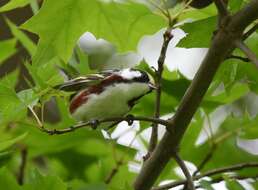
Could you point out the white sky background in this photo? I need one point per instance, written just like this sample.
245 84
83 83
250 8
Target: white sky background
187 61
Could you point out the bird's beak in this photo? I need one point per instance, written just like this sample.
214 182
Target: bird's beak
152 86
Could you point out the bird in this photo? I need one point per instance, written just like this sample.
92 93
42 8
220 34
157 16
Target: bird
107 94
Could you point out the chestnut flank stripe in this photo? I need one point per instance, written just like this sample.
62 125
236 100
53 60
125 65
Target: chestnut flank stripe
82 97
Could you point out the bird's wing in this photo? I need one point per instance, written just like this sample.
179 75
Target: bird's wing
80 83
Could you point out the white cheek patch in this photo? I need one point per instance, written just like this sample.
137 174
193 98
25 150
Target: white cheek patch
130 74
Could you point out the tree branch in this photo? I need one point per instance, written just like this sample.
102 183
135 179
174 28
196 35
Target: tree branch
221 47
190 184
251 56
95 123
167 36
210 173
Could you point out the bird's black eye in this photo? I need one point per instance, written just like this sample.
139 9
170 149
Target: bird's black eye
143 78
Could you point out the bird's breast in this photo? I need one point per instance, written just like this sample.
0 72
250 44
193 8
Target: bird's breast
111 101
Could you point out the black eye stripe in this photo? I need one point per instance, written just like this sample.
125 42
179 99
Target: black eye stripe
143 78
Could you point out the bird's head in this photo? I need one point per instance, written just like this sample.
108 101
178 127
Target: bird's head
135 75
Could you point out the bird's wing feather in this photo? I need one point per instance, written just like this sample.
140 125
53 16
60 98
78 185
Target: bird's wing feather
80 83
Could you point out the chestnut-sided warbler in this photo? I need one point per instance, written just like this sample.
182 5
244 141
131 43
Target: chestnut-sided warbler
108 94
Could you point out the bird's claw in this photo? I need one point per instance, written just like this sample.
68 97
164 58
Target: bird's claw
94 123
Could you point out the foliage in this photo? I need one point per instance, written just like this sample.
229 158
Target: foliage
84 159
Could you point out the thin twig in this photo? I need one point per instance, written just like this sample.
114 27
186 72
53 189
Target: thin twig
119 162
249 53
244 59
21 173
238 177
229 169
189 180
95 123
221 7
114 171
206 159
209 155
250 31
223 13
209 173
215 143
167 36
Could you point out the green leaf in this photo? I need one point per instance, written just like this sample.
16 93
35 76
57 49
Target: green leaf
190 138
28 97
7 48
249 126
68 158
10 79
199 33
249 74
121 23
96 187
41 182
234 185
206 185
13 107
40 143
226 140
22 37
236 92
83 65
8 143
80 185
251 43
5 157
78 65
197 14
233 70
227 73
9 101
46 75
145 67
255 184
7 180
180 85
13 4
235 5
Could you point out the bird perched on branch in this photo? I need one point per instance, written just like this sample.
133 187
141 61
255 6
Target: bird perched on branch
108 94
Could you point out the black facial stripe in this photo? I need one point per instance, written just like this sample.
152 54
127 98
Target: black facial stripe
143 78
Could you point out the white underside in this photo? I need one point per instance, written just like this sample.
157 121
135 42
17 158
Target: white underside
112 102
